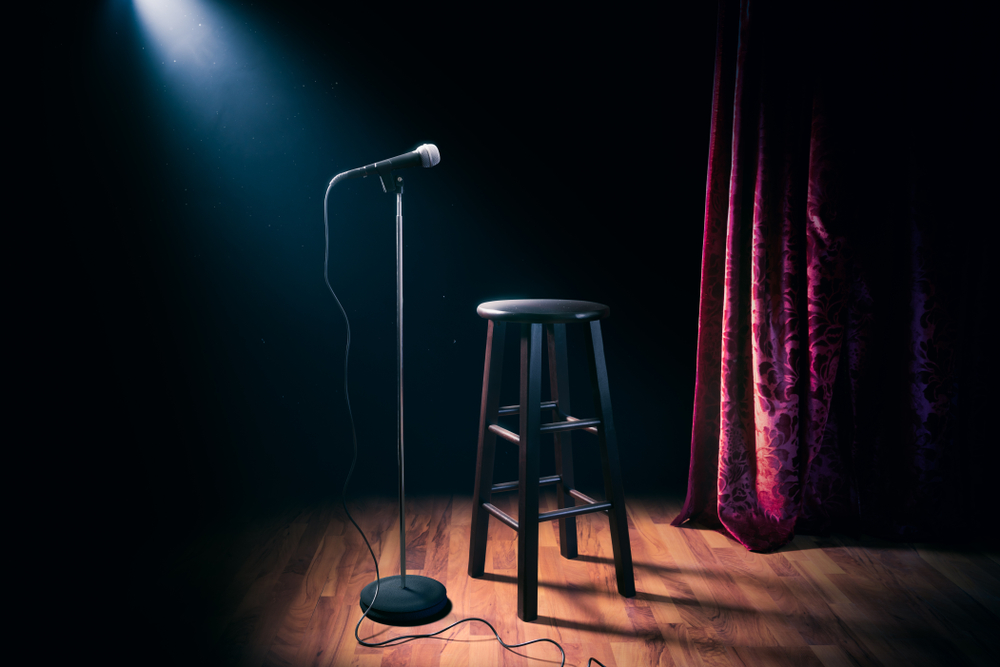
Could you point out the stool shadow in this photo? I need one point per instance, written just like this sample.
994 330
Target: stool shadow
510 579
598 628
610 561
640 595
663 569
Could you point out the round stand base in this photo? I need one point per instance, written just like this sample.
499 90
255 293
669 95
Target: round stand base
422 601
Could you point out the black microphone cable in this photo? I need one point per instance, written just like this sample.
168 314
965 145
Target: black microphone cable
393 641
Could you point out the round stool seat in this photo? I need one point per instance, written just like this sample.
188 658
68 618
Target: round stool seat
543 311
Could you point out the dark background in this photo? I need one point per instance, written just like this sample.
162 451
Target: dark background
205 365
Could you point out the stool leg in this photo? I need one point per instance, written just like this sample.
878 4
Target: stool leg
482 493
559 388
609 461
528 471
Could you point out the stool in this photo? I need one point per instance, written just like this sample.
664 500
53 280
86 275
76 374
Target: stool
553 315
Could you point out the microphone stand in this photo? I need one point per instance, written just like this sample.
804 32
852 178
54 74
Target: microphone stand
402 600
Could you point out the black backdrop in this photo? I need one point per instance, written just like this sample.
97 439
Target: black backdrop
198 350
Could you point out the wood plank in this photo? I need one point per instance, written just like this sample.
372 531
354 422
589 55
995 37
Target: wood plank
818 555
548 531
775 656
461 511
482 596
680 646
328 622
974 581
982 560
562 614
294 627
327 628
457 581
723 611
287 588
660 510
833 656
868 633
454 649
895 576
418 525
710 651
504 618
654 566
797 549
631 653
485 652
244 625
761 587
271 537
504 555
425 652
824 583
894 643
594 542
552 595
716 540
934 600
397 656
780 565
366 660
387 551
348 651
438 546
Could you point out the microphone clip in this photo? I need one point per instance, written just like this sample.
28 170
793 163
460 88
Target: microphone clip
389 183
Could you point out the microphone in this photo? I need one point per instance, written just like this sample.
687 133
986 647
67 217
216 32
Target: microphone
426 155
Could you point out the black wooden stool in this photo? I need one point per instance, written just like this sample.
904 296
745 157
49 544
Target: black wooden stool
532 315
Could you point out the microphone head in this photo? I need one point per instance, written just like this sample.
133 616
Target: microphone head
429 155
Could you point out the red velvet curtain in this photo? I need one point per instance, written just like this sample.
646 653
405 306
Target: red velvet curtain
837 318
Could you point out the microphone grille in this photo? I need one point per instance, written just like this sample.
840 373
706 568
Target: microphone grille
429 155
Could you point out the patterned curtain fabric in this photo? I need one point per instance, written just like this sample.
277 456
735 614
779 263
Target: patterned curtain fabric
829 345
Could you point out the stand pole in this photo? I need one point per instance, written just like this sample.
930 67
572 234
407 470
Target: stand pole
417 600
399 383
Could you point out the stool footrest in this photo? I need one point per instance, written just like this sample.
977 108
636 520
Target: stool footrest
590 429
571 424
505 434
573 511
516 409
511 486
500 514
564 513
583 497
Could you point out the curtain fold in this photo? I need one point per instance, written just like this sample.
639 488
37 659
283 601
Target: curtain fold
826 384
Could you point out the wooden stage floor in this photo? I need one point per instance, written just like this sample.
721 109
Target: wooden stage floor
282 588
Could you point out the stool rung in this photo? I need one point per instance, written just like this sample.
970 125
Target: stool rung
582 497
510 486
571 424
590 429
516 409
500 514
505 434
564 513
573 511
